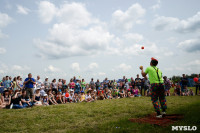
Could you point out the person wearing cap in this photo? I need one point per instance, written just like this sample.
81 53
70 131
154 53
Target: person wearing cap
157 87
29 82
45 100
82 98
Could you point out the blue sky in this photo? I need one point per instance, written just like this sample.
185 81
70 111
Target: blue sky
98 38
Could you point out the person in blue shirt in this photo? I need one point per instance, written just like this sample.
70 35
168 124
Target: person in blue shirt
77 86
29 82
7 83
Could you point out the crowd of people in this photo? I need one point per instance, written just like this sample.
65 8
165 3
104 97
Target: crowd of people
17 93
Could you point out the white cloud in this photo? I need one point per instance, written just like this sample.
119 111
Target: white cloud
66 41
93 65
4 20
20 68
133 37
75 66
47 11
2 50
22 10
191 45
72 34
124 67
125 20
52 69
102 74
157 5
191 24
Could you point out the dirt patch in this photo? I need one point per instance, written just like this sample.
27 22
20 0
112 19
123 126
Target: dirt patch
165 121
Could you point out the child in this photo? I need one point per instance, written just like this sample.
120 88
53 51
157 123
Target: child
109 96
136 92
76 97
115 93
71 96
101 95
82 96
129 93
121 92
191 92
45 100
88 97
59 97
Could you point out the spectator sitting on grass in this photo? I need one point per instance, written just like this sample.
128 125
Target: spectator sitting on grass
186 92
45 100
109 96
16 100
88 97
191 93
71 95
5 99
121 92
76 97
129 93
37 98
136 92
59 97
115 93
66 96
177 90
51 99
101 95
82 96
26 101
94 94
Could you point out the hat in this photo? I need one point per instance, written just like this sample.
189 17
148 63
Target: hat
45 95
82 91
46 77
38 88
129 89
153 59
71 90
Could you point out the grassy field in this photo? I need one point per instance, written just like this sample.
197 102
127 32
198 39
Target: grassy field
98 116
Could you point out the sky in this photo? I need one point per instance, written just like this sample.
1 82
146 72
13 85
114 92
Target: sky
98 38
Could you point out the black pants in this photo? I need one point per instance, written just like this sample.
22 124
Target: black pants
197 86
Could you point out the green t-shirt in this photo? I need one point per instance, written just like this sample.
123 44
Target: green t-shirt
153 77
83 84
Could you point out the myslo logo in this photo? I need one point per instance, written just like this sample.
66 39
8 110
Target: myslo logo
184 128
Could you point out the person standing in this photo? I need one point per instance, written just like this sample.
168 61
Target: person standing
146 86
184 82
167 85
138 83
29 82
157 87
197 84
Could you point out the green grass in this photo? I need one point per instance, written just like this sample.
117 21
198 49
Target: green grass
98 116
